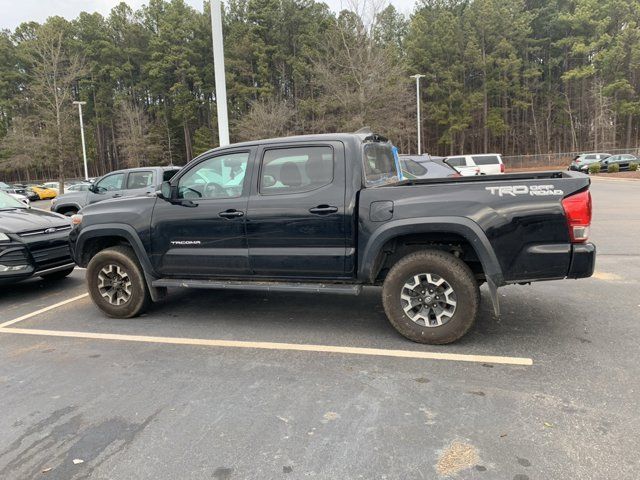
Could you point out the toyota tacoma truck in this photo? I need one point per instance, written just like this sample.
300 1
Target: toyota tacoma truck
331 214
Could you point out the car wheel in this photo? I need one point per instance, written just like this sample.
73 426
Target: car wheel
431 297
116 283
57 275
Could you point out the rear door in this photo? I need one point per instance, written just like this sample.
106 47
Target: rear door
140 182
296 216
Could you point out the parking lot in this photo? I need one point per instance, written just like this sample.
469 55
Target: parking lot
246 385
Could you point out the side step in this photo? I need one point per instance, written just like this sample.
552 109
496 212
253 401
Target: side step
334 288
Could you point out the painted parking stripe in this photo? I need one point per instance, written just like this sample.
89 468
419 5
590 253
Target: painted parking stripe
42 310
457 357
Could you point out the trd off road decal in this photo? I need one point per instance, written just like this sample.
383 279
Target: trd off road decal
532 190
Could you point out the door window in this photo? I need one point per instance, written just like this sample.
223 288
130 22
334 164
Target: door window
217 177
137 180
110 183
296 170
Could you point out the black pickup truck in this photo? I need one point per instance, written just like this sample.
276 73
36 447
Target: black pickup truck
331 214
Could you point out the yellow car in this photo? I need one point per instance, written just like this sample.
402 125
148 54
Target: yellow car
44 193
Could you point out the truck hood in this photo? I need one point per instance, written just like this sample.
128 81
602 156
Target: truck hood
26 219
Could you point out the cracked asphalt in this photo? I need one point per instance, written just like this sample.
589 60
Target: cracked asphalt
143 410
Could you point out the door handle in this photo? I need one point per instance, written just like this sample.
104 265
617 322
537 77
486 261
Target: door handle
323 209
231 213
116 195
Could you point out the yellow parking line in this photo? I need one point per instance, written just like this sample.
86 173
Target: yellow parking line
42 310
277 346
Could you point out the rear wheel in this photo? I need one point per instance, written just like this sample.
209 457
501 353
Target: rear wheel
116 283
431 297
57 275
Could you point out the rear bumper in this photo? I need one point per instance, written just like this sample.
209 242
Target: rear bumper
583 260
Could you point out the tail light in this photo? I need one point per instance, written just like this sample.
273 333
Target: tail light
478 171
577 208
502 168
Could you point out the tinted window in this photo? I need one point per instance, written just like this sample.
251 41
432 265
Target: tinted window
412 167
139 180
379 163
217 177
296 170
486 159
168 174
456 161
111 183
590 157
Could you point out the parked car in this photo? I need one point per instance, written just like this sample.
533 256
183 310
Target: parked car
328 214
623 160
121 183
43 193
480 164
422 166
32 243
464 165
21 198
581 162
16 189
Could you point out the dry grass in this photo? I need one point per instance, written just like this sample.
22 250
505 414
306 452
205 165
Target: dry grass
457 457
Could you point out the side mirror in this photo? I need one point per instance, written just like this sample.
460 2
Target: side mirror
268 181
165 191
92 188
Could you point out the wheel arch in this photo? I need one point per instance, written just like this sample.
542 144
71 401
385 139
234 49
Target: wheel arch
372 255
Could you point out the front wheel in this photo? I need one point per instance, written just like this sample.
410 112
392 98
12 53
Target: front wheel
116 283
431 297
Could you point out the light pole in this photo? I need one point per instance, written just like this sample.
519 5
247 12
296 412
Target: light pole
84 148
218 69
418 76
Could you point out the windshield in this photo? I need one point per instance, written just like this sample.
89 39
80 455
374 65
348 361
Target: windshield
8 202
4 185
379 164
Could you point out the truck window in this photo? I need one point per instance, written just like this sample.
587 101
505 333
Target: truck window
217 177
379 163
110 183
295 170
142 179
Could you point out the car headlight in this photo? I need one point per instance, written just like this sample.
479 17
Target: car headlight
76 219
4 237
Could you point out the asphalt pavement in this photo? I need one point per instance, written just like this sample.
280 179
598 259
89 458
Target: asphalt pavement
86 396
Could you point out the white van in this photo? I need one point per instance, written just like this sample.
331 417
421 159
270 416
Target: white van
485 163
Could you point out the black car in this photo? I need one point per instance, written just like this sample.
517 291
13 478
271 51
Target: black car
32 243
423 166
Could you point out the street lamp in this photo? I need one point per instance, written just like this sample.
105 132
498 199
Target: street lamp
84 148
418 76
218 70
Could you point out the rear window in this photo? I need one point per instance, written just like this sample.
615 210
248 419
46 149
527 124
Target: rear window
456 161
412 167
379 163
486 159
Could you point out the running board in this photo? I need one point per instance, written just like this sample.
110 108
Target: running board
334 288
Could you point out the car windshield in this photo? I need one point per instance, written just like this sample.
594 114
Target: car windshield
379 164
7 202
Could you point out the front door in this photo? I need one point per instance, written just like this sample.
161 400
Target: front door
109 186
296 216
202 232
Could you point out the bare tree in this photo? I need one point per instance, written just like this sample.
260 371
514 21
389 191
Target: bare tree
270 118
54 71
136 140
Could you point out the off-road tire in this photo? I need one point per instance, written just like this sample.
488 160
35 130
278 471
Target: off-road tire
125 258
59 275
456 273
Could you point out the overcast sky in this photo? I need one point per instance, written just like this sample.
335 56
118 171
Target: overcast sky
14 12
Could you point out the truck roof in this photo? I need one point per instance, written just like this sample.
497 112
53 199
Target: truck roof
359 137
